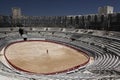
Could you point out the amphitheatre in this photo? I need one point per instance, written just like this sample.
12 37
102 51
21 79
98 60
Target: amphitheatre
59 54
53 45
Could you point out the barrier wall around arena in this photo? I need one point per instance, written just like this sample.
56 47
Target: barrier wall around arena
70 69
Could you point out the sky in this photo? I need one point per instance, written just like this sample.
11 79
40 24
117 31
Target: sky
56 7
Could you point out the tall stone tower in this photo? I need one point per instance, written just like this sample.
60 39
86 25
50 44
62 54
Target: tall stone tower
105 10
16 13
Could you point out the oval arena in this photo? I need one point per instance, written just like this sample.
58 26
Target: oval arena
44 57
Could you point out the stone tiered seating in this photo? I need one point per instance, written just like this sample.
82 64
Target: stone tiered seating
54 29
104 61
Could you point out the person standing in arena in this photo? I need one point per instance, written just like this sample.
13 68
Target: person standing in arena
47 51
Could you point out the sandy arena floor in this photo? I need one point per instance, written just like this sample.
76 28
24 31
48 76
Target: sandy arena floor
43 57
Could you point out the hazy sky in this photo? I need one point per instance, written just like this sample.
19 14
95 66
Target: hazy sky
56 7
